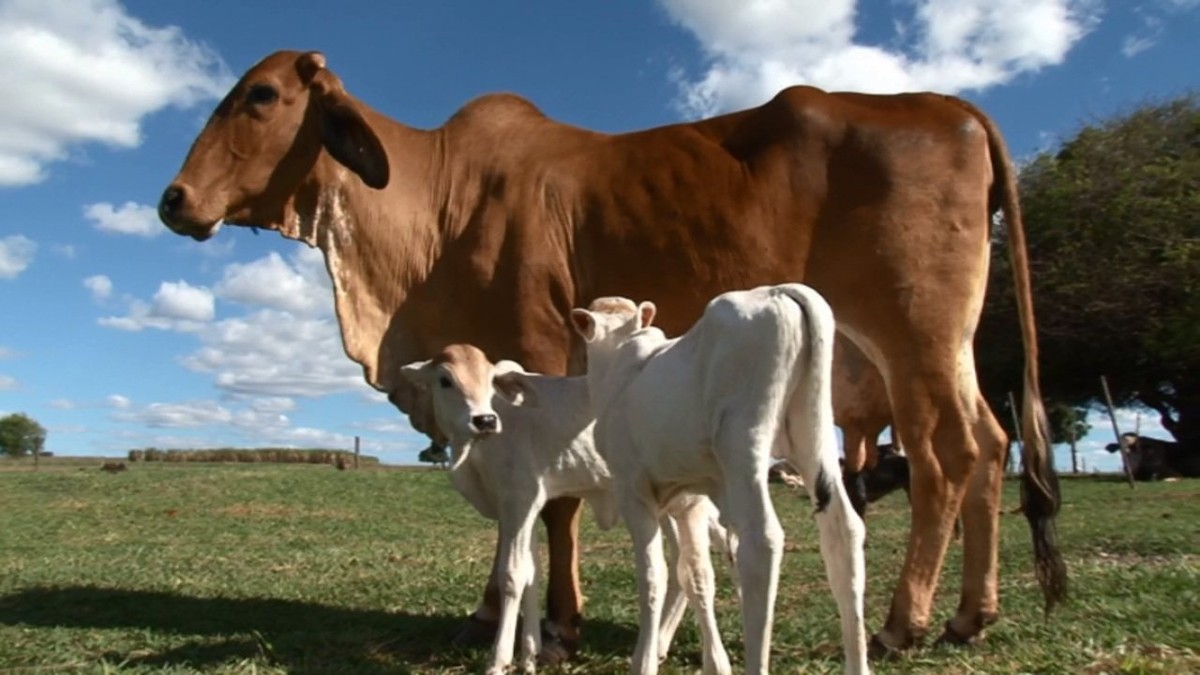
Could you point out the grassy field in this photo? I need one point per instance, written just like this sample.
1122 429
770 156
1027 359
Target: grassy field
304 569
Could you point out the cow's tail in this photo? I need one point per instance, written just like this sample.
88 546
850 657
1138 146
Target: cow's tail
1040 496
812 445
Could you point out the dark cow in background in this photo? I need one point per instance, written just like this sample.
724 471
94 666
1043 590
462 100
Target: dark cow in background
1153 459
889 474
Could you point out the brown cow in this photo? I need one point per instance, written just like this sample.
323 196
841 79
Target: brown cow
490 228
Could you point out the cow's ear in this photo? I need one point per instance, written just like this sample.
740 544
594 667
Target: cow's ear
584 324
646 312
345 134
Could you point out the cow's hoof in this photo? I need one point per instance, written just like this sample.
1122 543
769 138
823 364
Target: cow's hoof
953 638
556 647
475 632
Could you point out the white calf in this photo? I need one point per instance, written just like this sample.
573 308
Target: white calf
519 440
705 413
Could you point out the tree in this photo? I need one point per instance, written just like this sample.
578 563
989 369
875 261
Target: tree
1068 424
1114 246
21 435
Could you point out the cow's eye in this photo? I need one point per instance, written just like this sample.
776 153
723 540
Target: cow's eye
261 94
444 382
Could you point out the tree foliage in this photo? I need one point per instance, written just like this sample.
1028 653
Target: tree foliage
1112 219
1067 423
21 435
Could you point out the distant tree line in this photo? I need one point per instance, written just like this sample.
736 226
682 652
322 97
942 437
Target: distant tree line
251 455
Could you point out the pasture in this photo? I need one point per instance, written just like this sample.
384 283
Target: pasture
305 569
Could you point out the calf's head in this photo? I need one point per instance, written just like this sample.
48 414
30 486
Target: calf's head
460 385
268 134
610 320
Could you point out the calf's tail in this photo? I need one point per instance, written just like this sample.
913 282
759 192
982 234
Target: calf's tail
812 445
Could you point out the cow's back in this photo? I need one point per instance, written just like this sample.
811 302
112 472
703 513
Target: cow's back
815 187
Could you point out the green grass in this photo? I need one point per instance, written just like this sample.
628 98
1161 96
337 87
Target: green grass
304 569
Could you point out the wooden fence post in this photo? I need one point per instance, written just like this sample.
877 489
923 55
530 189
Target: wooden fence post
1012 407
1112 416
356 447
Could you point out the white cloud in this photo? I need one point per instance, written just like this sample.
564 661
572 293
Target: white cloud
6 353
16 254
176 306
240 422
274 353
757 48
177 415
129 218
99 285
89 72
62 404
395 424
301 287
118 401
68 251
8 383
180 300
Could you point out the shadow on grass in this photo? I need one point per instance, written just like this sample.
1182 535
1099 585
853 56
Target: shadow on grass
302 637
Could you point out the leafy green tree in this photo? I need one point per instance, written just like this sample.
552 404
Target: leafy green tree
1068 424
1112 219
21 435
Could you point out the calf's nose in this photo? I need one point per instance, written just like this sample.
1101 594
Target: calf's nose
485 423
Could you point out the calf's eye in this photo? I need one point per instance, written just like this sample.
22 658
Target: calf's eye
444 382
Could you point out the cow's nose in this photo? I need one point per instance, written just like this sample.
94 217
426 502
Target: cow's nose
172 201
484 423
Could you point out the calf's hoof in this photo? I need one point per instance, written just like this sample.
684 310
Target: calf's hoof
475 632
878 651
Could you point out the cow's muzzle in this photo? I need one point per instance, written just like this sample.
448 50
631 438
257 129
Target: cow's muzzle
173 207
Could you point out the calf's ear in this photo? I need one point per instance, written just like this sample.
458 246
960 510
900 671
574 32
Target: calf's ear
584 323
646 312
514 386
417 373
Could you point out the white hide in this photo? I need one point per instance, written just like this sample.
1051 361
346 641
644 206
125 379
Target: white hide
704 414
544 449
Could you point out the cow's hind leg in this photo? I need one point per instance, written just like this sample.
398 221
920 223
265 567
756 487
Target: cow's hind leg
935 426
564 600
981 531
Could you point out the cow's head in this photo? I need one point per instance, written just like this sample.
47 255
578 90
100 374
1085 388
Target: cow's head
611 319
460 385
263 139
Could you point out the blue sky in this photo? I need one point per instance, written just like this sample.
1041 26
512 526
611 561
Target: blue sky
116 334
